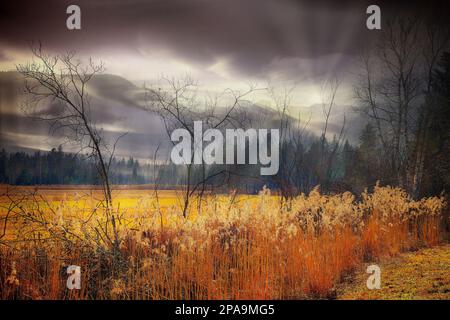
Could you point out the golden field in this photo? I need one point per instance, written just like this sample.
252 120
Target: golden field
229 247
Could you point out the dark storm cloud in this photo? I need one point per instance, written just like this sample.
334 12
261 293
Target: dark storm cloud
250 33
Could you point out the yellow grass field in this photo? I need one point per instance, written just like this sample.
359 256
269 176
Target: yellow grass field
418 275
229 246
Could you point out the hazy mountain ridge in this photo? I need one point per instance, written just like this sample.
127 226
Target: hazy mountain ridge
118 106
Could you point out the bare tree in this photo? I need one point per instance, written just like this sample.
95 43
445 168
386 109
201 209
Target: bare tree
436 40
292 132
178 104
391 89
328 152
62 80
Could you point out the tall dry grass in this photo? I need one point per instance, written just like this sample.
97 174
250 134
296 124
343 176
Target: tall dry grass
235 248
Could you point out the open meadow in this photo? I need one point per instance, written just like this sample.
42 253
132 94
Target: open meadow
228 247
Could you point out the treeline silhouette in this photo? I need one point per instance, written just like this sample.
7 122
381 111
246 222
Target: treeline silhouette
354 167
59 167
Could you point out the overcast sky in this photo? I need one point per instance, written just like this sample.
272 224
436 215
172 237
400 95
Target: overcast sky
221 43
216 40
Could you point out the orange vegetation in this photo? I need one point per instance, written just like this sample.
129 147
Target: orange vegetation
229 247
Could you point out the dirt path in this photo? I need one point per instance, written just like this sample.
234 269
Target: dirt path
424 274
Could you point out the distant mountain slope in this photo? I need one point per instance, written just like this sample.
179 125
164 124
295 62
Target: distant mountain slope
118 106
